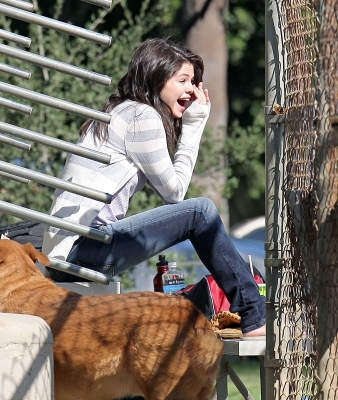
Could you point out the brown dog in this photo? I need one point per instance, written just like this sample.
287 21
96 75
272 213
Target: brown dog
106 347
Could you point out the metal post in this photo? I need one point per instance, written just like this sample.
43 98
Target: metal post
26 213
274 128
54 102
13 37
14 178
83 272
13 105
326 168
23 5
15 143
54 142
56 25
100 3
55 182
20 73
59 66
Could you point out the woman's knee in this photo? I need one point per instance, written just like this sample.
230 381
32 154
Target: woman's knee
206 205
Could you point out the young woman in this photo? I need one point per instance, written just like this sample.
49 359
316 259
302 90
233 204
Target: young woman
157 120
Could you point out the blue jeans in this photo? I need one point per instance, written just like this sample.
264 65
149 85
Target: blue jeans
140 237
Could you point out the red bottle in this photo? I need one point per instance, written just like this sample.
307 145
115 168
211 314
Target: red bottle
162 267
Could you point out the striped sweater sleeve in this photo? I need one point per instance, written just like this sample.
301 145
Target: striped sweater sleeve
146 146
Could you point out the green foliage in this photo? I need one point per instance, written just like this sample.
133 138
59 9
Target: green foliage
246 38
127 279
245 145
245 148
244 25
210 155
169 16
144 200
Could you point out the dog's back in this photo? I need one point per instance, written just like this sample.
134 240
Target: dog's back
106 347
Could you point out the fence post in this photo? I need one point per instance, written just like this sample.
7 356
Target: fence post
327 220
274 129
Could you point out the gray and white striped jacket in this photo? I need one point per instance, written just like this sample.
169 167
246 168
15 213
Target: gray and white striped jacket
137 141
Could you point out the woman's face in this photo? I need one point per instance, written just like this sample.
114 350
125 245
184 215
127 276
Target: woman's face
177 92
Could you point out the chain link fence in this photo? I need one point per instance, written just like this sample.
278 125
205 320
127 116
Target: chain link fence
303 298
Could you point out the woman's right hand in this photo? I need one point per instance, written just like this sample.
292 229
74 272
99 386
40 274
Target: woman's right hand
200 95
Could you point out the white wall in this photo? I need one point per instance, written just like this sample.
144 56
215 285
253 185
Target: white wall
26 358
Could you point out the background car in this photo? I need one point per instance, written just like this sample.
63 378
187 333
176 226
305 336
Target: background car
253 228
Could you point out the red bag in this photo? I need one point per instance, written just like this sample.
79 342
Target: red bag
208 297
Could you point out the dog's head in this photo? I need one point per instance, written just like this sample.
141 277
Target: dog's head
20 255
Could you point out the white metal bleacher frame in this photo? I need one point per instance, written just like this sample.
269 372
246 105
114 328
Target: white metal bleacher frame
240 348
23 11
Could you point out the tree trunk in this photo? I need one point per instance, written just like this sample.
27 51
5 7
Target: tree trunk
205 34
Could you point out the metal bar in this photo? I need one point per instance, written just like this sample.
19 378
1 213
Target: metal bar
20 73
274 129
25 213
55 182
239 384
15 142
23 5
53 142
262 376
13 37
100 3
74 269
23 108
56 25
222 381
54 102
14 178
55 65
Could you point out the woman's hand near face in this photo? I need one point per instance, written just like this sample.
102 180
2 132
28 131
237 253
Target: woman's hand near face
201 95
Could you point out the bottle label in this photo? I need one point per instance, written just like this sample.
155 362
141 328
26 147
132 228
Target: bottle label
173 285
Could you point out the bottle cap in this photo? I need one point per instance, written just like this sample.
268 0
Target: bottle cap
161 261
172 264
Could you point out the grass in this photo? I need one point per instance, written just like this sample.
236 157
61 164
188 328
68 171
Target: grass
248 371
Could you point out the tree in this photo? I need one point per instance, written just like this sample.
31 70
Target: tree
230 38
205 33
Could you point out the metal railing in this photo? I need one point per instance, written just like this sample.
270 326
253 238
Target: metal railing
24 11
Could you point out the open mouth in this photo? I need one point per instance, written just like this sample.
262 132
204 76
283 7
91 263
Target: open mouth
183 102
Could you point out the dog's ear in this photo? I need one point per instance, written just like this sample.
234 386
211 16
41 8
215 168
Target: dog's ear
36 255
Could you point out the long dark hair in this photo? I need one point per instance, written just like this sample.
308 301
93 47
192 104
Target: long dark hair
151 66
